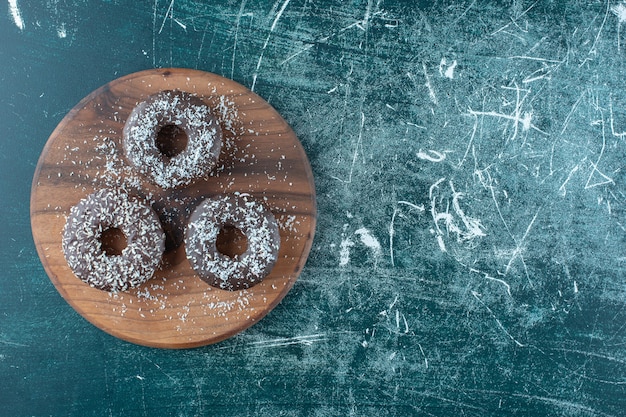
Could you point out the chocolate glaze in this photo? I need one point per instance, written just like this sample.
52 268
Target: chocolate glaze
82 244
254 220
174 111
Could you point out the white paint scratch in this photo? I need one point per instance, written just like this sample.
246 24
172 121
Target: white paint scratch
154 16
620 135
605 179
424 355
9 343
524 119
595 42
360 24
573 109
278 15
169 11
519 117
620 11
393 303
306 340
344 251
489 277
470 142
392 230
429 85
518 250
415 206
16 14
239 15
471 227
181 24
267 40
369 240
366 17
562 188
431 155
477 296
515 19
295 54
355 154
61 31
446 70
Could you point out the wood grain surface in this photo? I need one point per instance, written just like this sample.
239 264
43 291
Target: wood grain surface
260 155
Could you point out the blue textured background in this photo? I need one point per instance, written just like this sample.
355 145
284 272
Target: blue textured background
470 253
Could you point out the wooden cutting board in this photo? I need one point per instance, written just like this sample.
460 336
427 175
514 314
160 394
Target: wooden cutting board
260 155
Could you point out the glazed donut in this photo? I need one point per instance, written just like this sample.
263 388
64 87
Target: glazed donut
83 247
253 219
172 110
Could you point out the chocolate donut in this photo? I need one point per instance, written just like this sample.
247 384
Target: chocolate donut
181 115
253 219
82 241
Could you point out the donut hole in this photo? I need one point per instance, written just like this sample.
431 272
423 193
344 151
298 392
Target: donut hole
113 241
171 140
231 241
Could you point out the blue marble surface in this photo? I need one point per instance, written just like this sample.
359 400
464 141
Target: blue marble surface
470 253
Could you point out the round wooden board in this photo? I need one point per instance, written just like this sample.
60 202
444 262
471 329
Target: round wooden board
260 155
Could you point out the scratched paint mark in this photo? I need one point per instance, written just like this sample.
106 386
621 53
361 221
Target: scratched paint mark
446 70
519 248
431 155
10 343
362 24
429 85
168 13
620 135
466 228
267 40
304 340
61 31
392 230
366 238
593 180
237 23
355 154
344 247
154 23
518 117
477 296
563 188
370 242
619 10
16 14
